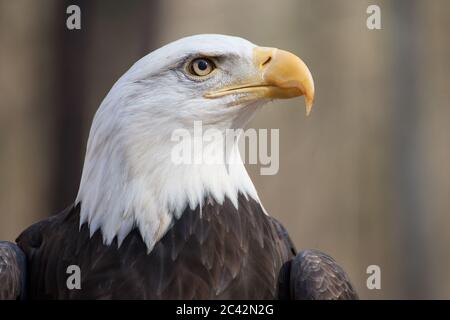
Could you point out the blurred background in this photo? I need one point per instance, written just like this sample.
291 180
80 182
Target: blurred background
365 178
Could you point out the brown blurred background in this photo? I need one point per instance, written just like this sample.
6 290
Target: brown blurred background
366 178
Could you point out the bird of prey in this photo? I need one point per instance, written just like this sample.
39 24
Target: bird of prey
144 226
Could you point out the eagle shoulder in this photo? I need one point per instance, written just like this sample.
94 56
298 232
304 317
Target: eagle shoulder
12 271
314 275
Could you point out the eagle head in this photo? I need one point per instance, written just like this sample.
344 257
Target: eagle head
129 177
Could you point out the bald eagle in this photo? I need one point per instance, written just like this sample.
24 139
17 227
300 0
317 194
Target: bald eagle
144 227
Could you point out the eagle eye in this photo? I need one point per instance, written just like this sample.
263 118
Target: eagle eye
201 67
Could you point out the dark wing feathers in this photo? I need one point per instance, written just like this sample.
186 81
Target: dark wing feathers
316 276
311 275
219 253
12 271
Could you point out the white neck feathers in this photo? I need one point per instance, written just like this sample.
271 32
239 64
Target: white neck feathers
130 181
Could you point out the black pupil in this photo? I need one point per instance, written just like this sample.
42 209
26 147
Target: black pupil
202 65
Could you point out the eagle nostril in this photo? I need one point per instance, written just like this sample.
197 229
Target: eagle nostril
269 58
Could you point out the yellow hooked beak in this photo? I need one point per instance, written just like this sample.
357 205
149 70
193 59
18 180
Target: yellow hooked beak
279 75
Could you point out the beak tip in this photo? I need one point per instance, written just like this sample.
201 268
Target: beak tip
309 105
